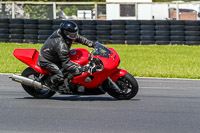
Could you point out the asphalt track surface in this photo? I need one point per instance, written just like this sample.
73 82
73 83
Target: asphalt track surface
161 106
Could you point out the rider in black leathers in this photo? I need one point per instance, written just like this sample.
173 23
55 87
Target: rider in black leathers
54 54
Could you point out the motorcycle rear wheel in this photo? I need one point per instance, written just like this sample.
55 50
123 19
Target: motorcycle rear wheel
35 92
128 86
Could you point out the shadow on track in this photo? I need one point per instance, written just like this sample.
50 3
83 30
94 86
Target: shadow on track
80 98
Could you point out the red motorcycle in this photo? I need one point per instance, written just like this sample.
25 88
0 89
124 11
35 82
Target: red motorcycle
103 75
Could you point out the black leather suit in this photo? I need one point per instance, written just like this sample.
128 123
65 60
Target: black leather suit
54 54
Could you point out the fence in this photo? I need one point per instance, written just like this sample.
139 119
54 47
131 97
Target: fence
161 32
101 10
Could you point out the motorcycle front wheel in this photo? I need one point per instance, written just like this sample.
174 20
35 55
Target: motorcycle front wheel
128 86
35 92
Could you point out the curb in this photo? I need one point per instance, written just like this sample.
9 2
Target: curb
5 74
166 78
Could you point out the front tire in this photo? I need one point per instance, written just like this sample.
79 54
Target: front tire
128 86
35 92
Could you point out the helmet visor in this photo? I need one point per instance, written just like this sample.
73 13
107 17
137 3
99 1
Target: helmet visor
71 35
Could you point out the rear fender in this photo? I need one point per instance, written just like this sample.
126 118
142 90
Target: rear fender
119 73
30 57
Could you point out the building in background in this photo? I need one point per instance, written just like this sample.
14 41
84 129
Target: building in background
128 11
112 10
151 11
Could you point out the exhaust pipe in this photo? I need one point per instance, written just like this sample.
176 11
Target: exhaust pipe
27 81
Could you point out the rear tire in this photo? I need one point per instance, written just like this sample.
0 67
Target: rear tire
127 84
35 92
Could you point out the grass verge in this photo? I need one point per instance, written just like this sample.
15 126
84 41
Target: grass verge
168 61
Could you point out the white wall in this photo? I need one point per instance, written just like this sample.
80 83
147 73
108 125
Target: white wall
160 11
113 10
155 11
144 11
128 0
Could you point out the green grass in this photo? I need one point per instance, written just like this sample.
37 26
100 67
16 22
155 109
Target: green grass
169 61
161 61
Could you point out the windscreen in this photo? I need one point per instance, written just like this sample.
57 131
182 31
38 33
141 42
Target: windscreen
101 50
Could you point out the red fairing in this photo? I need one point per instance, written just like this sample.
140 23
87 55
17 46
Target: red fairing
119 73
30 57
110 69
98 78
112 62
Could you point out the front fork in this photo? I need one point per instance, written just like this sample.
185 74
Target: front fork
116 88
115 76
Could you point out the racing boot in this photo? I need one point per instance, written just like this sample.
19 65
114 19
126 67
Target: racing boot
56 81
65 88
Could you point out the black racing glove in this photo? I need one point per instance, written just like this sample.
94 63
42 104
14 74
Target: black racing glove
78 70
85 68
94 44
91 44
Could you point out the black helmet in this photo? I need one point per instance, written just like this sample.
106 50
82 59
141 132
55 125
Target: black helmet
69 29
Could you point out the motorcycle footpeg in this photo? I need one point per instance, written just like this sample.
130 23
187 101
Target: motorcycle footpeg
63 89
53 88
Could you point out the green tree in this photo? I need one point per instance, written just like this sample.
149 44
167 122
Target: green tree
72 10
38 11
63 0
160 0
